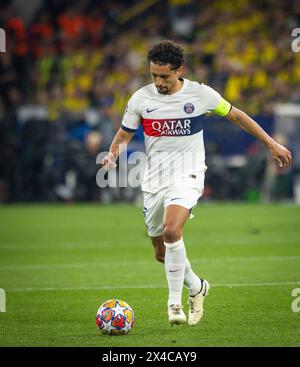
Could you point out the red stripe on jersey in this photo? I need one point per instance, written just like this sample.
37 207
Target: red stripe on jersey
148 127
172 127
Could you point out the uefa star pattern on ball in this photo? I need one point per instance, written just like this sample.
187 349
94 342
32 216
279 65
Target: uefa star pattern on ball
115 317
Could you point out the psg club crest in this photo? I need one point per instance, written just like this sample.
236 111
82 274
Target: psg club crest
189 108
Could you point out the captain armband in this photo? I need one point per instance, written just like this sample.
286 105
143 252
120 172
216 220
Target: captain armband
223 108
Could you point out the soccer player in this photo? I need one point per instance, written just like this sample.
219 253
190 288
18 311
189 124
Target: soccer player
171 111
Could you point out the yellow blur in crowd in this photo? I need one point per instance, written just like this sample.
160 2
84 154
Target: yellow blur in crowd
241 39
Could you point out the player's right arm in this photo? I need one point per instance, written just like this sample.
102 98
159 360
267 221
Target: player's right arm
130 124
121 139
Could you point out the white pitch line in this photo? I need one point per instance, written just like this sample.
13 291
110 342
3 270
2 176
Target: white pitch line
143 263
149 286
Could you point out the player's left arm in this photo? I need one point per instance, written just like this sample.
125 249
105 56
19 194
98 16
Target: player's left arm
282 156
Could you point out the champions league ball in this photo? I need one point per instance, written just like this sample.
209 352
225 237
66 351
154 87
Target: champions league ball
115 317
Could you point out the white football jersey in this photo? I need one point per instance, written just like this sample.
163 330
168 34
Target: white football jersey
173 130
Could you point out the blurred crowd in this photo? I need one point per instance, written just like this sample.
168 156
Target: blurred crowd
69 70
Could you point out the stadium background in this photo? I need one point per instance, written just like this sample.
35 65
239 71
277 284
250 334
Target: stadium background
65 78
71 66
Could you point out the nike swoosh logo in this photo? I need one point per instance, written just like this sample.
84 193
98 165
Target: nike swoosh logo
175 199
151 110
173 271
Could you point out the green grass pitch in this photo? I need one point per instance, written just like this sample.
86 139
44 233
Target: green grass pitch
59 263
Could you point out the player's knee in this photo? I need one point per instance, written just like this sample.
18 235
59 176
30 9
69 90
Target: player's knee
171 233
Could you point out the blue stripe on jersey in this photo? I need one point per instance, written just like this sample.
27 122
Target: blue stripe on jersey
128 129
197 123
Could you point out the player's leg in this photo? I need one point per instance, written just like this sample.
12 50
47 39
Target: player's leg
185 196
175 259
154 213
191 280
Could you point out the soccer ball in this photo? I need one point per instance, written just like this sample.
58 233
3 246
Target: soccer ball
115 317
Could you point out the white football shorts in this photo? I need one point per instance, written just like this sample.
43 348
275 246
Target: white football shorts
184 193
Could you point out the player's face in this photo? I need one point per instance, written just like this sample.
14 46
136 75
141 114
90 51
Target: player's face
165 79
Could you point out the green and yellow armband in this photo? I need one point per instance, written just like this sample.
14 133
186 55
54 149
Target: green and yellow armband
223 108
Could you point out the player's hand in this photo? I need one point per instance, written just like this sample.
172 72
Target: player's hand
109 161
282 156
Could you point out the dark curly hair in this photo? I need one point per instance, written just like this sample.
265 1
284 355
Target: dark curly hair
166 52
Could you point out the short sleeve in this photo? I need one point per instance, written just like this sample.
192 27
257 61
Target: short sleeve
132 116
215 102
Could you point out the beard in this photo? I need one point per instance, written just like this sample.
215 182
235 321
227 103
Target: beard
163 90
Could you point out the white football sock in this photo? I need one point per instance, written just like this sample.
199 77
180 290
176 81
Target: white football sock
191 280
175 263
